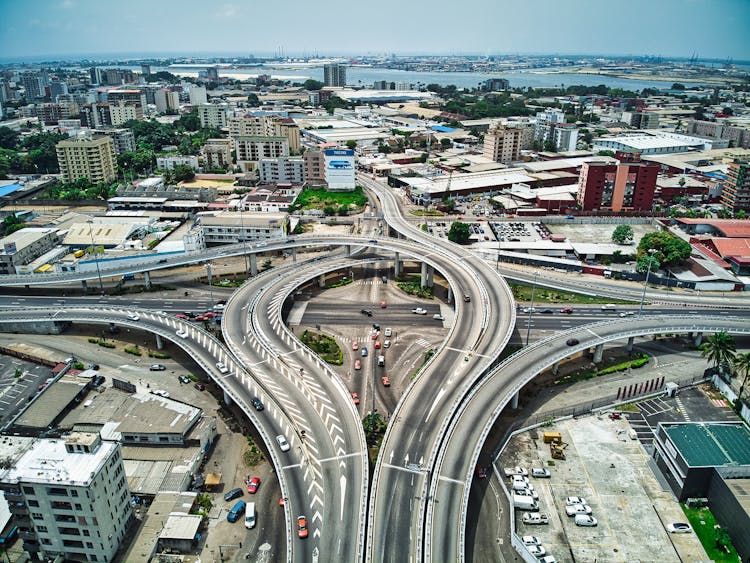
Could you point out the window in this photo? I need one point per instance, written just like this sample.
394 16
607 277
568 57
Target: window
28 490
34 503
42 529
37 516
78 507
89 545
86 533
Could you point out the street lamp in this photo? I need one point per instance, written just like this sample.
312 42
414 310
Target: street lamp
651 252
96 260
531 309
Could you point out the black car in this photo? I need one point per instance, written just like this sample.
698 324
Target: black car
93 366
97 381
257 403
547 312
571 341
233 494
366 312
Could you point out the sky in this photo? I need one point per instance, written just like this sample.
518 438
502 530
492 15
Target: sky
669 28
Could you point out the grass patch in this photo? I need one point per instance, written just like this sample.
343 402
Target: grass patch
319 198
426 213
411 284
342 281
715 540
374 427
252 456
323 345
158 355
101 342
583 374
134 350
628 407
427 356
543 295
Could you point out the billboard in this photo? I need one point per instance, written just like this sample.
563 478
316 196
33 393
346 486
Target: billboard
340 169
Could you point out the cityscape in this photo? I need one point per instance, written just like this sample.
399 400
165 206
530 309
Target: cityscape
317 286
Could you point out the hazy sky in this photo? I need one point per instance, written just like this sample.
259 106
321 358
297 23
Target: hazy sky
56 28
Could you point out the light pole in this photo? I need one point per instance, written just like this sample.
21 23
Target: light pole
651 252
96 260
531 309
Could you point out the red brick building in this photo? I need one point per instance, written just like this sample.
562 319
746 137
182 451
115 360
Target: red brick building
628 185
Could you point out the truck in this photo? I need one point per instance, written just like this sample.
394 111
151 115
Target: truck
550 437
525 502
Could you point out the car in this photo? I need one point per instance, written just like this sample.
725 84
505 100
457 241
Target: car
252 486
222 367
282 501
377 345
355 398
481 472
97 381
366 312
388 332
199 386
376 327
615 416
510 471
387 344
93 366
183 378
574 500
157 367
547 559
301 526
233 494
257 403
567 310
363 351
536 550
527 492
386 381
355 346
419 311
535 518
571 341
374 335
627 313
182 316
161 393
540 472
575 509
219 307
201 318
585 520
357 364
283 444
679 528
529 310
133 317
438 317
383 304
467 298
182 333
547 312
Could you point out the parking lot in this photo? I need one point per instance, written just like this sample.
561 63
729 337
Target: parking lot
19 382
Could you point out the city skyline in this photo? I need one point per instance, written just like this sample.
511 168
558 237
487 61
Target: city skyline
78 28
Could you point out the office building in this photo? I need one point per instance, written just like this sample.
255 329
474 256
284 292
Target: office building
212 74
315 167
70 497
503 144
736 193
282 170
130 95
738 136
34 85
334 75
90 158
95 116
57 88
123 139
166 100
96 75
627 185
213 115
198 95
145 69
217 153
233 227
252 148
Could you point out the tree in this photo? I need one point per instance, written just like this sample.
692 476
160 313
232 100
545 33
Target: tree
253 100
741 365
622 234
312 85
719 350
351 144
670 250
459 233
183 173
9 138
10 225
445 143
189 122
678 86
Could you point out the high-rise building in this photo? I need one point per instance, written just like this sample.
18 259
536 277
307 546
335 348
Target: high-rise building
334 75
252 149
315 167
96 75
123 139
51 114
495 84
266 125
198 95
130 95
282 170
69 497
33 85
503 144
57 88
212 74
166 100
641 119
736 193
217 153
145 69
120 112
213 115
93 159
627 185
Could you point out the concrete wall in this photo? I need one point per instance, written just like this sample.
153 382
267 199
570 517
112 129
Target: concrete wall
41 327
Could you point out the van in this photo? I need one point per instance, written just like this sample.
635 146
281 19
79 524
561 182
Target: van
524 502
238 509
250 515
381 360
609 307
233 494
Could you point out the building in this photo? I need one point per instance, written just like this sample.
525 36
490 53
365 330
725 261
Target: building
282 170
495 85
52 113
213 115
166 100
249 125
737 136
503 144
24 246
69 497
315 167
551 128
628 185
251 149
169 162
334 75
96 75
131 95
233 227
34 84
736 193
120 112
217 153
641 119
90 158
340 169
656 142
95 116
145 69
198 95
123 139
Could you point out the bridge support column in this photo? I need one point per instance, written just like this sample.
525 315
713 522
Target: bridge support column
227 398
294 254
598 353
348 249
83 284
514 401
698 339
159 342
430 276
322 280
147 279
423 278
555 368
397 266
450 294
629 347
254 264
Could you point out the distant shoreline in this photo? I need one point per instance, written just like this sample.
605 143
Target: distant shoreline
658 78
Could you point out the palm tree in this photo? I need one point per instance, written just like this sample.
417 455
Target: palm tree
719 350
742 366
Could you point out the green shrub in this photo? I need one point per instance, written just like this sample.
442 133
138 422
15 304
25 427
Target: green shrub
158 355
134 350
323 345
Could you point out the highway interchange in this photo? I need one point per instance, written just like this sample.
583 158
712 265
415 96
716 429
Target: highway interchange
441 421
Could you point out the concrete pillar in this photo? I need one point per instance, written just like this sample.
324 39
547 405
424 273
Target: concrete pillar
698 339
450 294
514 401
397 266
629 347
294 254
555 368
348 249
423 278
254 264
430 276
83 283
147 279
598 353
159 342
227 398
322 280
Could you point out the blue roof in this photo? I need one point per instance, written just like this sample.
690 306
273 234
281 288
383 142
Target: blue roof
9 189
442 128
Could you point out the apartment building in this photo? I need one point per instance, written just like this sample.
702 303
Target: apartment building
121 111
265 125
213 115
282 170
198 95
736 193
166 100
123 139
24 246
233 227
251 149
503 144
315 167
641 119
738 136
169 162
131 95
217 153
334 75
69 497
627 185
86 157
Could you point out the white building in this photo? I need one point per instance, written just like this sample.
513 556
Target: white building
233 227
217 153
213 115
250 150
340 170
198 95
166 100
282 170
657 142
169 162
70 497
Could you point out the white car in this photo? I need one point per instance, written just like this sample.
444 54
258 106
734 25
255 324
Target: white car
182 333
536 550
387 344
577 509
575 500
133 317
585 520
529 310
388 332
547 559
627 314
221 367
438 317
515 471
161 393
528 492
679 528
419 311
283 444
540 472
531 540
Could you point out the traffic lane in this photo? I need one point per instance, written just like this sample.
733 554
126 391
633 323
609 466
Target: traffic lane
445 530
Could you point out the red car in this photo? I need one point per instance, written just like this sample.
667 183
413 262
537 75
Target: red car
614 416
182 316
357 364
355 398
253 485
481 472
301 526
377 344
355 346
383 304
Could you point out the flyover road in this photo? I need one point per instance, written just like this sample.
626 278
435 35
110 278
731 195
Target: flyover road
398 499
450 482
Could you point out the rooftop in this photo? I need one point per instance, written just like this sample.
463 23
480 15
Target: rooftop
732 228
181 527
24 237
711 444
